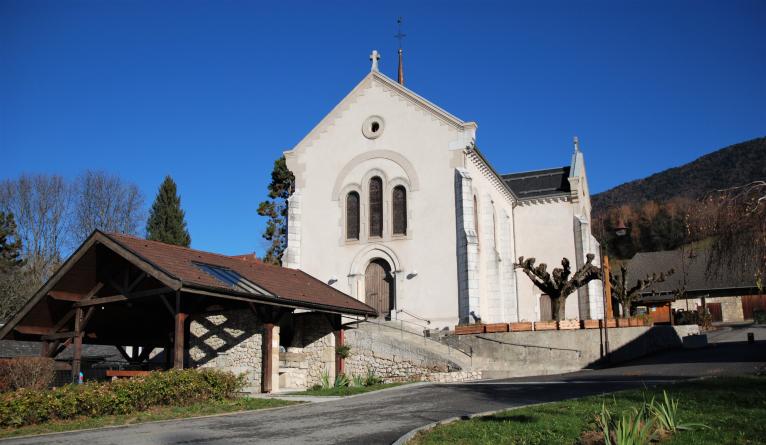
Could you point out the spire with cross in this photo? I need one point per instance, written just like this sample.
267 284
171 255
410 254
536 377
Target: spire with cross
399 35
374 57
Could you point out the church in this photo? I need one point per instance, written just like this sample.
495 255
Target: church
395 205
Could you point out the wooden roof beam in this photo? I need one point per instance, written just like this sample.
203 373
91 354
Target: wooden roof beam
120 297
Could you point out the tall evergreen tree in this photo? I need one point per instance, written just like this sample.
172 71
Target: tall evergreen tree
275 208
166 218
10 243
16 284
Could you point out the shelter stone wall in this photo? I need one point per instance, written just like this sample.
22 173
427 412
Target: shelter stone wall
309 351
230 341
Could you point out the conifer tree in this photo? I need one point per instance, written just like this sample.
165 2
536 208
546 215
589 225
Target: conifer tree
275 208
16 284
166 218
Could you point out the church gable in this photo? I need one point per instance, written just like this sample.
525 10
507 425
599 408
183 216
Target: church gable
373 83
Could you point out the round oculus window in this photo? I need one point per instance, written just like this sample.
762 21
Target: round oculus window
373 127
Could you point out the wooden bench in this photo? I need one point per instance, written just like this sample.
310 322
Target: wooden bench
119 374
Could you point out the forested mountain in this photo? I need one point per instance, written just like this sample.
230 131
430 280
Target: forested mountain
678 205
731 166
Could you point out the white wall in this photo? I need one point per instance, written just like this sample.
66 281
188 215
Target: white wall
413 150
497 289
544 231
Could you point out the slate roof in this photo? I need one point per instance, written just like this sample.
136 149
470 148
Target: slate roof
539 183
289 285
691 267
15 348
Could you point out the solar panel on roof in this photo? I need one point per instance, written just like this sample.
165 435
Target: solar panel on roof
231 278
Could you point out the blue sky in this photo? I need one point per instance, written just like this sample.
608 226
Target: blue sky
211 92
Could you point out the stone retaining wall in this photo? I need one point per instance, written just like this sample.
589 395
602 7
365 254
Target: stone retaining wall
551 352
391 357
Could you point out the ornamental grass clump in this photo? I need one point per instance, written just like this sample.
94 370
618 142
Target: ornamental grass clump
95 399
665 413
635 428
649 423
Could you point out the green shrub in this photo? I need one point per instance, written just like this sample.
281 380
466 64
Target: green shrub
343 351
759 316
358 380
371 379
175 387
341 381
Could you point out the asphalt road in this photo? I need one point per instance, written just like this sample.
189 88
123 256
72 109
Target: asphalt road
382 417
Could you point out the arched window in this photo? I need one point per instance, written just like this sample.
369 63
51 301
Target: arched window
352 215
376 206
399 200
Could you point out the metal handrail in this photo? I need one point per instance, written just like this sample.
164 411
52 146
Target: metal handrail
402 330
398 311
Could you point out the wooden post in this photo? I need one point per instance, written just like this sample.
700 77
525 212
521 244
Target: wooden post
340 362
77 353
45 348
178 341
268 332
607 289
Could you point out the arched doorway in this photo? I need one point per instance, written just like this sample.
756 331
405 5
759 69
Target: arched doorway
379 286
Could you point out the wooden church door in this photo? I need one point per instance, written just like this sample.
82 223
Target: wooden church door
379 287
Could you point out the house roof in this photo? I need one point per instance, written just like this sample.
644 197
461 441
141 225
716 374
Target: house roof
16 348
289 285
539 183
691 273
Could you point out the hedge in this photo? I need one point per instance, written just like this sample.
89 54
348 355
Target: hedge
176 387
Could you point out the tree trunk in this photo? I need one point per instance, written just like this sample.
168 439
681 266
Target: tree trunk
626 309
557 308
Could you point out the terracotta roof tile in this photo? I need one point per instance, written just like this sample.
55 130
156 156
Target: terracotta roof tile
290 284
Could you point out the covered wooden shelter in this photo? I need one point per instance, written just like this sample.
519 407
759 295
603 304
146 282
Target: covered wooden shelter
125 291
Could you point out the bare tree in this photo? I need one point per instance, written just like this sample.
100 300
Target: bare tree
740 233
559 285
626 294
40 205
107 203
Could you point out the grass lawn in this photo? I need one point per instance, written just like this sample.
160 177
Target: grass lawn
734 408
159 413
346 391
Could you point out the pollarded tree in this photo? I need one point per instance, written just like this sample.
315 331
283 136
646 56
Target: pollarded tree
625 294
166 218
561 283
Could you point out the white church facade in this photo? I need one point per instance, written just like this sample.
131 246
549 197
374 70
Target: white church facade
395 206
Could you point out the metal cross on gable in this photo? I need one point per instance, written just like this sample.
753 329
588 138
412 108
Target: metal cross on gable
399 35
